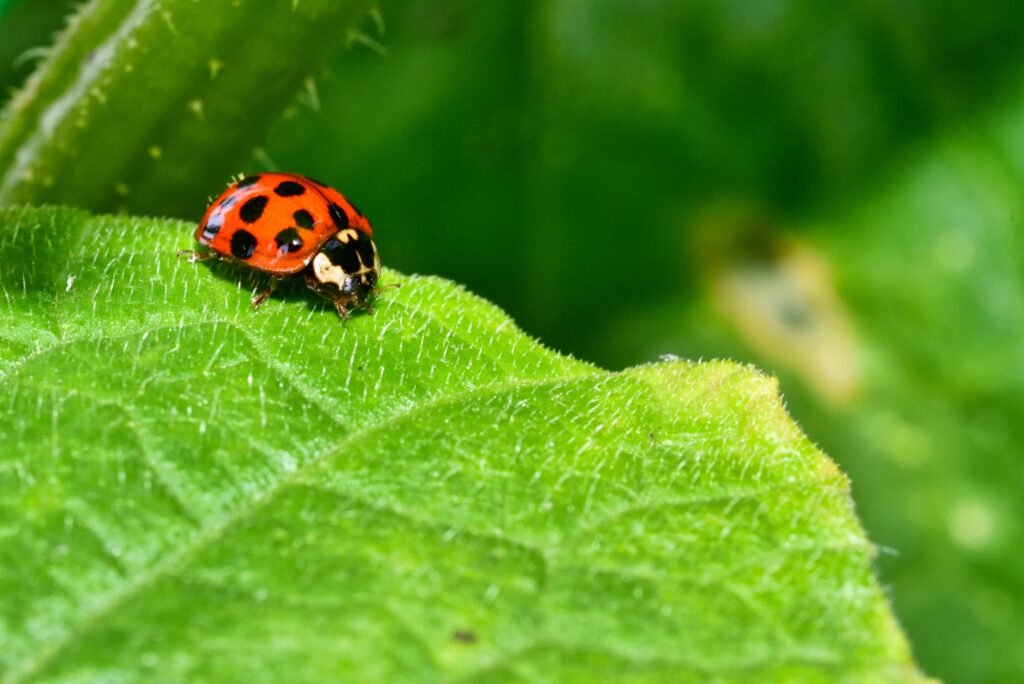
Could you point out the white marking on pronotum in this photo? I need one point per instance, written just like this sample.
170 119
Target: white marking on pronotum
327 272
348 235
56 113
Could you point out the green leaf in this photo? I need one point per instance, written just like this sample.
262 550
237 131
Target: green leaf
145 105
195 491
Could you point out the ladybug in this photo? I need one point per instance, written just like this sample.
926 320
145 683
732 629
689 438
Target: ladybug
286 225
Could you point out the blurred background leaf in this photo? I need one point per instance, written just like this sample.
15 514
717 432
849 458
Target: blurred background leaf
149 106
27 29
830 190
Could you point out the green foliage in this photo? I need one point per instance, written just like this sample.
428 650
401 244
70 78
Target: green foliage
27 30
932 266
6 5
585 143
150 106
929 274
554 155
195 491
607 172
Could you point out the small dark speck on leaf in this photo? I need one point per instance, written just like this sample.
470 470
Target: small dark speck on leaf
464 636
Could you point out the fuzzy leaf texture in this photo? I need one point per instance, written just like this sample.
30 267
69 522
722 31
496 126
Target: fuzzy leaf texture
147 104
194 491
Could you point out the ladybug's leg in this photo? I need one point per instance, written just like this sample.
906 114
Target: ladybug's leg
195 255
258 300
337 298
339 305
389 286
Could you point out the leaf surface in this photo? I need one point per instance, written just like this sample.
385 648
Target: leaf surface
195 491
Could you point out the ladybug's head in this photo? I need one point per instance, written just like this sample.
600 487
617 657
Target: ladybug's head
346 267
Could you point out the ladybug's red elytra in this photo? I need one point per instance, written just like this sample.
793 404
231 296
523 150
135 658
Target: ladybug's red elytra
286 225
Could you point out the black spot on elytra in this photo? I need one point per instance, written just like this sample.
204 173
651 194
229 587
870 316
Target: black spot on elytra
339 216
303 219
289 189
246 182
253 208
211 229
243 244
288 240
